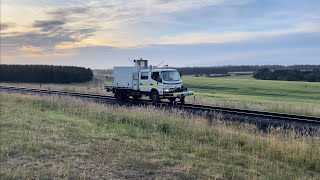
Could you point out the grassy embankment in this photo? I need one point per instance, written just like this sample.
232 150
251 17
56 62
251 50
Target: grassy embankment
48 137
278 96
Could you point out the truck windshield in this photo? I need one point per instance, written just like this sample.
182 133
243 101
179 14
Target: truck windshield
170 76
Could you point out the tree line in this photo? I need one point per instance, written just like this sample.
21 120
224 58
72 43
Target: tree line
44 74
288 75
243 68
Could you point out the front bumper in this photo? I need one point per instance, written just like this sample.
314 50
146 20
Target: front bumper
179 94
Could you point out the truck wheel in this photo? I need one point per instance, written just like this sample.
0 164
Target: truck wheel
124 95
172 101
182 100
117 95
154 96
121 95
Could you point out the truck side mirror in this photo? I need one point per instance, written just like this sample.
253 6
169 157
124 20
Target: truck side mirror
180 74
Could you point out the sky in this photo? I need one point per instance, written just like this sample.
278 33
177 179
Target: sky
101 34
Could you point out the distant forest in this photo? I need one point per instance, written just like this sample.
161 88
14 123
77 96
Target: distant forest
288 75
243 68
44 74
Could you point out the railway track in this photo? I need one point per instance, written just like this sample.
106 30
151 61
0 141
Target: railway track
261 118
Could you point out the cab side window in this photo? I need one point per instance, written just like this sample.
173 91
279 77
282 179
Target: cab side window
144 75
156 76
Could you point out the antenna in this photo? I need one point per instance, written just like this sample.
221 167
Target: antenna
131 61
160 63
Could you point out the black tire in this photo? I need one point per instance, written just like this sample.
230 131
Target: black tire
172 101
124 94
117 95
154 96
182 100
121 95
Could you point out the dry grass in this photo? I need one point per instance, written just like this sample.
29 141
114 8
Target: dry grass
51 137
272 107
94 86
76 87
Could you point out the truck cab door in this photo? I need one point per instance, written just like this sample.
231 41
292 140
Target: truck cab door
156 82
144 79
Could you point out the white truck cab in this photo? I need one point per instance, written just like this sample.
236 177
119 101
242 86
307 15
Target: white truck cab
157 83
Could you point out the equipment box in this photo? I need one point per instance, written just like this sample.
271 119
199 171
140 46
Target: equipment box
123 77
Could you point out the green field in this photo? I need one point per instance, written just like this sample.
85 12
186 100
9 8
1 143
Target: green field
280 96
67 138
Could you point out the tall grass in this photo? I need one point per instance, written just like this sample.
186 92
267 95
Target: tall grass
70 138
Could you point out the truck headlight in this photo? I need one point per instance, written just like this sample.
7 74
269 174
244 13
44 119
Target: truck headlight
166 90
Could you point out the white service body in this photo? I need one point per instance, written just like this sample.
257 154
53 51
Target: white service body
142 80
123 77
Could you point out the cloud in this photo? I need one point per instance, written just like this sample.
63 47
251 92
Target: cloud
30 49
35 39
49 25
167 6
57 27
77 24
37 56
228 37
43 43
3 26
63 12
42 38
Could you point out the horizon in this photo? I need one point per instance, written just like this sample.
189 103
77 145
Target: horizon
103 34
183 66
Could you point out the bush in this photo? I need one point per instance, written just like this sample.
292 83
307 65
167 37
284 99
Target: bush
288 75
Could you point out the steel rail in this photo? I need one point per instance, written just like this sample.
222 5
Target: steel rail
273 115
289 118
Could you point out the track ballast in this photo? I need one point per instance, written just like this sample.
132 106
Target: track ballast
261 118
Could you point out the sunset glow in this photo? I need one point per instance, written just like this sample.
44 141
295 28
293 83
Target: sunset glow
101 34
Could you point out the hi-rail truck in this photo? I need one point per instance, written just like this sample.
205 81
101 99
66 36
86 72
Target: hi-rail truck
143 80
